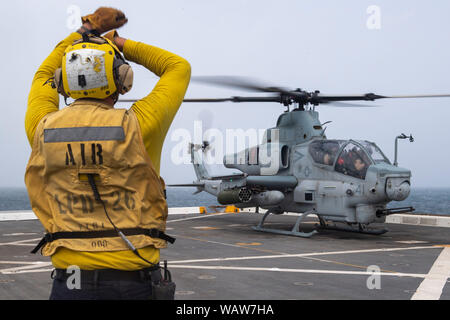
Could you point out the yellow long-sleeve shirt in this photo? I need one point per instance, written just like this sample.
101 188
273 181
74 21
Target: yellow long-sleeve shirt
155 114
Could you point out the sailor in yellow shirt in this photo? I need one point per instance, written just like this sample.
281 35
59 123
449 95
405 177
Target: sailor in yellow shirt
154 114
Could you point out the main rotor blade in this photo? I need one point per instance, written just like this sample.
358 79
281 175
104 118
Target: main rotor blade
239 83
127 100
238 99
305 97
348 105
316 99
420 96
208 100
275 98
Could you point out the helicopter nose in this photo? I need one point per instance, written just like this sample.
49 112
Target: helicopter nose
398 189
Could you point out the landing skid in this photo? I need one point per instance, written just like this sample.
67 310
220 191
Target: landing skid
359 229
323 226
295 230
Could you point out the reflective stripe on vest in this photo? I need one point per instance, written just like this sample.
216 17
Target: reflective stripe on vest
83 134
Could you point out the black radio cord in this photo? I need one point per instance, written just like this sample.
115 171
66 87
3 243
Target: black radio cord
97 197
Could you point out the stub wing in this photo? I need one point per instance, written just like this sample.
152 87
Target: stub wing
228 177
195 184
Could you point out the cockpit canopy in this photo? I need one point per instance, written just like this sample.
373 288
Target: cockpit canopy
350 157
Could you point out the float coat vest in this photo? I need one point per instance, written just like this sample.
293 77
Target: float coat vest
91 138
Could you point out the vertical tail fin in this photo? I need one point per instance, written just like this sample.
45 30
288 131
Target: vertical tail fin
199 167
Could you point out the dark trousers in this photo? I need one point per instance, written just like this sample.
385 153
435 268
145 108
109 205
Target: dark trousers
96 288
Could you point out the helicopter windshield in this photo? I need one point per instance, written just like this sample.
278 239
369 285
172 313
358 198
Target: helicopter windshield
374 152
325 151
353 161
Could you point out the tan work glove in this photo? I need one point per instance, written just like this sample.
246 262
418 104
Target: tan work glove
111 35
105 19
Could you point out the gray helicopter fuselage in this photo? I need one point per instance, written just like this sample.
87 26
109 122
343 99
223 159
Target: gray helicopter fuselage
339 197
297 169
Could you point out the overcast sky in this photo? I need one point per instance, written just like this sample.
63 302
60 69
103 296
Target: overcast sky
337 47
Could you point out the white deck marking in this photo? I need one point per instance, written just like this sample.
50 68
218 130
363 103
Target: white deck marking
18 234
20 262
202 216
434 282
276 256
19 269
362 273
205 228
20 242
411 241
30 271
17 215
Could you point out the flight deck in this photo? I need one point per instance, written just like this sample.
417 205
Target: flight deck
220 257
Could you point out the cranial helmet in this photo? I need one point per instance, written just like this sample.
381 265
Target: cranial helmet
93 67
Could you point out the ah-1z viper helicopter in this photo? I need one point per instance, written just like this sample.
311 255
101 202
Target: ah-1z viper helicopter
298 169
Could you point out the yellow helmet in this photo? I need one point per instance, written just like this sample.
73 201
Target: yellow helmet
93 69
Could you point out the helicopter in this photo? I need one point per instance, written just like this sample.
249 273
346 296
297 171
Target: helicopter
347 184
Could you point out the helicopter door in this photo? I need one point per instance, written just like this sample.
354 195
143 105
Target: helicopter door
353 161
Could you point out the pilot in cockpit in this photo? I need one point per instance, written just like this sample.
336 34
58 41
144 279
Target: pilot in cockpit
353 162
324 152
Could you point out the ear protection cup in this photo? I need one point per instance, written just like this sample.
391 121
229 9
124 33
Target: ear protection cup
124 80
123 74
58 83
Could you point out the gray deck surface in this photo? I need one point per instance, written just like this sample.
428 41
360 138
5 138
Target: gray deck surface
219 257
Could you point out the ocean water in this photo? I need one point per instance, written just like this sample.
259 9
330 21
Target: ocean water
427 200
424 200
17 198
